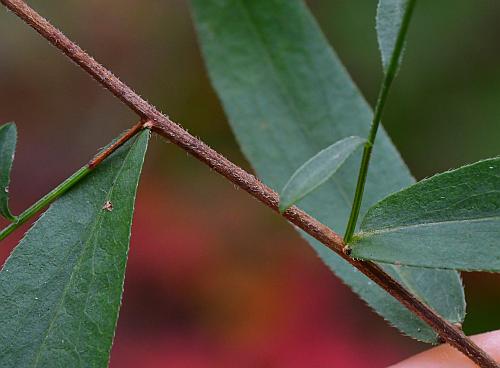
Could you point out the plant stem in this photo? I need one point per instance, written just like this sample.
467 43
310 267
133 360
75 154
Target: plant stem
377 116
70 182
162 125
101 156
45 201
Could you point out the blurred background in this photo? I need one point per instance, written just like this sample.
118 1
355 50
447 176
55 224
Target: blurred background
214 278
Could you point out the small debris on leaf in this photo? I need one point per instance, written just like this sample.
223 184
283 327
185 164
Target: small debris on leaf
108 206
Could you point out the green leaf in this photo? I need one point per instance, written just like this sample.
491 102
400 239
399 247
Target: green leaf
451 220
317 170
287 97
8 138
390 15
60 290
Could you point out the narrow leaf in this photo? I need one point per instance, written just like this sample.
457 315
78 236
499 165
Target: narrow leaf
451 220
60 290
8 139
287 97
390 15
317 170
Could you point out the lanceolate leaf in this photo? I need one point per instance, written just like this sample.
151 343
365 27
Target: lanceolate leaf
317 170
287 97
451 220
389 18
8 139
60 290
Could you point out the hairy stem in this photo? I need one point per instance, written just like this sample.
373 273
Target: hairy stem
377 116
162 125
101 156
71 181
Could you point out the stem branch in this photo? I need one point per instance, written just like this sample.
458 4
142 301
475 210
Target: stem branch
101 156
70 182
45 201
162 125
377 116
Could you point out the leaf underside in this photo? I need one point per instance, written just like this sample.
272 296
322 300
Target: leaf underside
451 220
317 170
60 290
8 140
287 97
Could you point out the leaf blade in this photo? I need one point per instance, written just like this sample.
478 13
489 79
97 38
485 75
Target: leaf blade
8 139
451 220
317 170
287 96
389 18
63 282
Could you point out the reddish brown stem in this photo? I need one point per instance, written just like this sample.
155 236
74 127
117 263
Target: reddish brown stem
162 125
117 144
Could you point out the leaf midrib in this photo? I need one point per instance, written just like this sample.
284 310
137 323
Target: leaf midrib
386 230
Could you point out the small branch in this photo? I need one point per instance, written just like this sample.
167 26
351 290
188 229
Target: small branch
71 181
377 117
101 156
162 125
45 201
